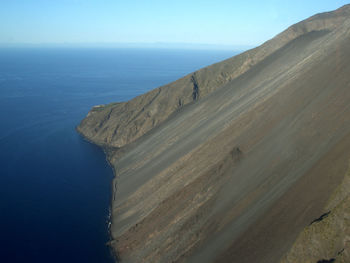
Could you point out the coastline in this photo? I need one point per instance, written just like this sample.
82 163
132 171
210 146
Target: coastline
113 252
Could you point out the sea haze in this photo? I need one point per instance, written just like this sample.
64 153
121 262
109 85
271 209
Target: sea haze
55 186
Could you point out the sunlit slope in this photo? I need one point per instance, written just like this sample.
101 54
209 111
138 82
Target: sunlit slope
121 123
235 175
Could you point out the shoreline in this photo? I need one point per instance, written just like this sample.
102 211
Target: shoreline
113 252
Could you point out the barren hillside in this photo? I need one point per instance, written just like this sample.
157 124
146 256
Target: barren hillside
232 162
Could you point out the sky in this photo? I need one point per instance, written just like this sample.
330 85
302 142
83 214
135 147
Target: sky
189 22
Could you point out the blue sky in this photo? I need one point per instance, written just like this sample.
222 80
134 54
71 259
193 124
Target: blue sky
217 22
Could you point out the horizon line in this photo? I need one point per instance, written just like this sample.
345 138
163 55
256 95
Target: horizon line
162 45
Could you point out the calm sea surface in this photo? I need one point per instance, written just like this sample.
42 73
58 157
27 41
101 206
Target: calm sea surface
55 187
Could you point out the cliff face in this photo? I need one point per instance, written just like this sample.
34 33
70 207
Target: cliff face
230 163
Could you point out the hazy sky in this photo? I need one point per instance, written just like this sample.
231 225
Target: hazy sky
226 22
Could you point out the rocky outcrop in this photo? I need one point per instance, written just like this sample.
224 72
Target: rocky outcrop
232 162
327 238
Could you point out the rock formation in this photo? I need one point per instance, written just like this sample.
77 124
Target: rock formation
327 238
232 162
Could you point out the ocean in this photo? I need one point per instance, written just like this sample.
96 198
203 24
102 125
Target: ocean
55 186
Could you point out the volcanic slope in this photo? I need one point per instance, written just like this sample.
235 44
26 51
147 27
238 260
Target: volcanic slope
230 163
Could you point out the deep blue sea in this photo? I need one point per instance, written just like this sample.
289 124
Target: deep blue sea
55 186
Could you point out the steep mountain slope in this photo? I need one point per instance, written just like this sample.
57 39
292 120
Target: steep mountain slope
121 123
231 162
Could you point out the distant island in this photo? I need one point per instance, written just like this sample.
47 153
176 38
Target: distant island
246 160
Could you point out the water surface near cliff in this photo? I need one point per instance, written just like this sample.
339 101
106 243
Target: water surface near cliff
55 187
